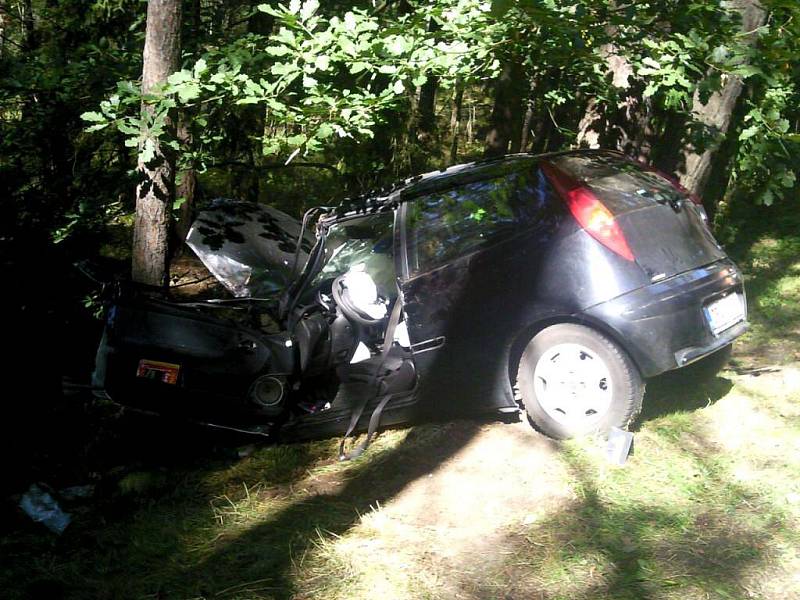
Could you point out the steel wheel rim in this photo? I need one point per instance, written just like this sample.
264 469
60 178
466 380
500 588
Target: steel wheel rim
573 385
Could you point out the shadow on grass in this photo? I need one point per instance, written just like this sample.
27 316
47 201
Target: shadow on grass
156 543
265 552
159 478
623 544
684 390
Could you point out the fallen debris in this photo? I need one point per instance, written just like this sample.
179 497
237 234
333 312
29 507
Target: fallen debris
619 446
40 506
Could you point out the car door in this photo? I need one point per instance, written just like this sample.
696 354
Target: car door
467 252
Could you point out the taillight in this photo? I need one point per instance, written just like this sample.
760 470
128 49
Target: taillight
590 213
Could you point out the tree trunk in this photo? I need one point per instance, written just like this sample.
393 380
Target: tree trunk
506 115
524 138
715 115
2 31
185 189
426 124
593 130
455 120
29 41
155 193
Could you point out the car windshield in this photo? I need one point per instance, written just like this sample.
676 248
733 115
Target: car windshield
362 243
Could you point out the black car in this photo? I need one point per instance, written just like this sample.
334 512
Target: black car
553 284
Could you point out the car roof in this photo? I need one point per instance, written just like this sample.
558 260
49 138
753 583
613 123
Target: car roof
390 197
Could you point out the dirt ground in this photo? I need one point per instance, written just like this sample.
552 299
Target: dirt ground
500 514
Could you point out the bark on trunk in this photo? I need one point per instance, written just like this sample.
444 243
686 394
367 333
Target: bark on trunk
155 193
526 128
715 115
185 190
593 130
507 111
427 110
2 31
29 41
455 120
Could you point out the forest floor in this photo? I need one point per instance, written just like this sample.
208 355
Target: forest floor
708 506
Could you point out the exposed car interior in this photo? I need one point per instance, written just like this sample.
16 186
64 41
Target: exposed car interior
347 324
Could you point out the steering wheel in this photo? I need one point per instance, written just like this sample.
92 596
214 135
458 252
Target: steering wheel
350 309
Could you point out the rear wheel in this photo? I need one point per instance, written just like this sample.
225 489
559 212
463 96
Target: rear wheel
575 381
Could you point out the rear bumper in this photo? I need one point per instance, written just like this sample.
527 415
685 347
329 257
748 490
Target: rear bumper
663 325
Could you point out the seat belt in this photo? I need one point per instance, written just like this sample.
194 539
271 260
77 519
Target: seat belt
374 420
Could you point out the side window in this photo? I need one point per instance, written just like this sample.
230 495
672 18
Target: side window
451 223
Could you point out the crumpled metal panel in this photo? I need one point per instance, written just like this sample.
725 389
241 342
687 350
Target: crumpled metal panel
248 247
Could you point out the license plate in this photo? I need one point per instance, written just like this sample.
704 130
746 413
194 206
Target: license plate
725 312
158 371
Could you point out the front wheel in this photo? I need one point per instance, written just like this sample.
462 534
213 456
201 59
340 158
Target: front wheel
575 381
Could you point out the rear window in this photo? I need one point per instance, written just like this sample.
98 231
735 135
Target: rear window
619 183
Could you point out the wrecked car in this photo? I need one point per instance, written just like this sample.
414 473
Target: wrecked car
553 284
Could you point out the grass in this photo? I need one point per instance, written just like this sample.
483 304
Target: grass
708 506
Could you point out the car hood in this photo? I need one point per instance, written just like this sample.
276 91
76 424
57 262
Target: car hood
248 247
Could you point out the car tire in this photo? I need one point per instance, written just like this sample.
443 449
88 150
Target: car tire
574 381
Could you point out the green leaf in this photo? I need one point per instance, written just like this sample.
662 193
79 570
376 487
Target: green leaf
746 71
309 8
279 50
266 8
719 54
270 147
322 62
94 117
127 128
284 68
148 151
200 67
296 140
651 62
188 92
749 132
252 88
398 45
325 131
179 77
